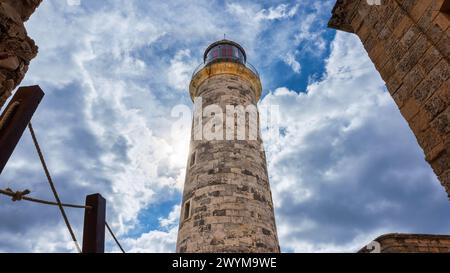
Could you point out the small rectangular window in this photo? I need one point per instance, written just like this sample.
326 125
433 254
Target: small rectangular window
193 159
187 210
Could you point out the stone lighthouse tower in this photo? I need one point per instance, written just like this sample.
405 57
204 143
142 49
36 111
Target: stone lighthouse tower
227 203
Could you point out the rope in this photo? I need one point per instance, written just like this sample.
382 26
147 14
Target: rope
20 195
52 186
115 239
8 114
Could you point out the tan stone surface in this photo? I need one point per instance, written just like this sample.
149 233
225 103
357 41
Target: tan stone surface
227 185
16 48
225 68
411 243
409 43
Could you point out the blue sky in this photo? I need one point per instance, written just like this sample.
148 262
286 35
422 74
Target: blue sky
345 170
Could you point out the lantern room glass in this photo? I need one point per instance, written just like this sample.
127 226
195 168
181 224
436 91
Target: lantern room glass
225 52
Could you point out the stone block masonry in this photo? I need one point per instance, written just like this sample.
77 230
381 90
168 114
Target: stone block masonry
16 48
409 43
409 243
227 203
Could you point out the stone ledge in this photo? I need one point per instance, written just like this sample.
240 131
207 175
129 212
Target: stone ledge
16 48
412 243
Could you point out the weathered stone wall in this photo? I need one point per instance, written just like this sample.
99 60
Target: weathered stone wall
16 48
409 43
227 186
411 243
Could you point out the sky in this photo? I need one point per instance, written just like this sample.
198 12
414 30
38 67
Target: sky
345 168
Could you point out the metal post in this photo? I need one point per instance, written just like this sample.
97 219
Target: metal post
15 118
94 224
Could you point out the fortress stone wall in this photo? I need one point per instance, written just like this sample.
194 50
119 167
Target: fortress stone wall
409 43
410 243
16 48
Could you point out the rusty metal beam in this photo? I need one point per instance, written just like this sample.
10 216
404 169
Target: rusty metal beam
94 224
15 118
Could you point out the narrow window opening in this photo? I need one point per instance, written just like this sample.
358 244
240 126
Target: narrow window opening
187 210
193 159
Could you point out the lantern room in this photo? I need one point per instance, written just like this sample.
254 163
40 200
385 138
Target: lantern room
224 50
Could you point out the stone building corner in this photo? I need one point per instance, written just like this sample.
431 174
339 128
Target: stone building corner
17 49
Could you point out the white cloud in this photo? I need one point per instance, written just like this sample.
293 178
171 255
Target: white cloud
310 38
99 82
112 73
282 11
293 63
154 241
340 174
258 14
158 240
268 33
180 70
172 219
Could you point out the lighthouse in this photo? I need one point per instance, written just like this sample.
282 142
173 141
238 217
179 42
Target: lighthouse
227 203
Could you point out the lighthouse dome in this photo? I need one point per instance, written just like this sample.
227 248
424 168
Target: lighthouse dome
224 50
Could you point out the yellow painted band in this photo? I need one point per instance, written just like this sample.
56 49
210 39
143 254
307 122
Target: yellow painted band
220 68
